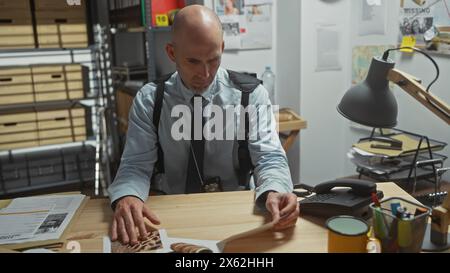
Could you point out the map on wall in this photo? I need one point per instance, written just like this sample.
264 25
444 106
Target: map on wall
361 59
428 21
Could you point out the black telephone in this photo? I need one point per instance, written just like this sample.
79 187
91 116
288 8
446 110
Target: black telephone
328 202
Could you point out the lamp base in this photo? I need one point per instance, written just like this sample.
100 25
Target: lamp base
429 246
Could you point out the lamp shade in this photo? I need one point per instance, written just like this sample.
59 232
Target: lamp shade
372 103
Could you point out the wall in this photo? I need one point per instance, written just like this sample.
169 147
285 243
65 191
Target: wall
288 70
322 146
329 136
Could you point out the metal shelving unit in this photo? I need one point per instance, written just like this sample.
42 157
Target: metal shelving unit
101 144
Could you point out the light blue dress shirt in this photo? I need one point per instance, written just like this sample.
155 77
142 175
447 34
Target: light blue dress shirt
140 154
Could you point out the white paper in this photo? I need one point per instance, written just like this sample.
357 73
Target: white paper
328 48
258 27
372 17
19 225
231 32
364 162
53 226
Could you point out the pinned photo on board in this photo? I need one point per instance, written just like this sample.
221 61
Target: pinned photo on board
229 7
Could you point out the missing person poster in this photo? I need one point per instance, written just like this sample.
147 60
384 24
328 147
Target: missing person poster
428 22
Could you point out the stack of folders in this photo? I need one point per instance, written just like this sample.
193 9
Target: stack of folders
38 221
386 161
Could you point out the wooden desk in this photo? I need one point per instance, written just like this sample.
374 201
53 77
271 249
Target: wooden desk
216 216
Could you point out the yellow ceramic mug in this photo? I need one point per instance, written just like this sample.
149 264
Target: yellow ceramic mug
347 234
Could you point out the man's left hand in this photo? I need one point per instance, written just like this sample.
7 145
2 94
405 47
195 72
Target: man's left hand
284 208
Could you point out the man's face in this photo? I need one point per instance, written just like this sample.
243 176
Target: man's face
197 62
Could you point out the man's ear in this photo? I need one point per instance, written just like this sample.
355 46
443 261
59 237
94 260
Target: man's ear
223 46
170 51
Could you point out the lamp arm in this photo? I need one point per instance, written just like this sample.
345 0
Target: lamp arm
418 92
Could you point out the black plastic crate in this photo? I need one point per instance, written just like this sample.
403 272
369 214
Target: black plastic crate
45 169
80 163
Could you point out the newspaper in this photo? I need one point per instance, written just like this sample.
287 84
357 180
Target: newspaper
19 225
23 217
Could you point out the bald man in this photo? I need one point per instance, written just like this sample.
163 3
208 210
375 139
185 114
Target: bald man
196 48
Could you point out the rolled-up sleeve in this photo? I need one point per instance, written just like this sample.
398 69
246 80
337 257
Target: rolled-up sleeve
268 156
140 153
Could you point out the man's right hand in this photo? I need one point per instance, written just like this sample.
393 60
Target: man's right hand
129 220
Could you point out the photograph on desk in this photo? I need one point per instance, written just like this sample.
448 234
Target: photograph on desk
150 243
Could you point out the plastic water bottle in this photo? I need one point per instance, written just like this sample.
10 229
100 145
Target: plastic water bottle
268 78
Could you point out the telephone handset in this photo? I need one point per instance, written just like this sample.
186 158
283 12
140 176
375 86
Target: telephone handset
358 187
352 198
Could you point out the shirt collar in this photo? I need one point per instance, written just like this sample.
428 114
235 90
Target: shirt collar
188 94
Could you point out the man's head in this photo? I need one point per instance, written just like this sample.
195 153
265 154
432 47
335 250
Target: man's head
197 46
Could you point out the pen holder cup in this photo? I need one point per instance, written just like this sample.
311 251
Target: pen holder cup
401 231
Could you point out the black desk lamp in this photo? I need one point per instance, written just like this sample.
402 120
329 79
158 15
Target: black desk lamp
372 103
